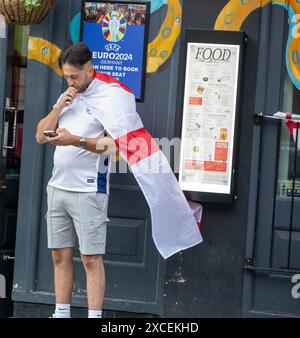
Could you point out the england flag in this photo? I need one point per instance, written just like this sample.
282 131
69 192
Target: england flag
293 124
174 227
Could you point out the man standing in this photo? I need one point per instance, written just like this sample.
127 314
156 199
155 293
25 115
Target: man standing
78 189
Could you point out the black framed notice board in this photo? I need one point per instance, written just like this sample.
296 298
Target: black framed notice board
211 112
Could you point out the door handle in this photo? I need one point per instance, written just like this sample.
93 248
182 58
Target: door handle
6 255
3 186
14 129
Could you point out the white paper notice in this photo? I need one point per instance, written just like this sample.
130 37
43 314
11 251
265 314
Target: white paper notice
209 117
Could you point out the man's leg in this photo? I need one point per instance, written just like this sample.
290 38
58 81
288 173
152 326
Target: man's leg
63 279
89 213
95 275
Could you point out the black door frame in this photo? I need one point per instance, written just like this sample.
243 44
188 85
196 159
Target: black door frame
268 100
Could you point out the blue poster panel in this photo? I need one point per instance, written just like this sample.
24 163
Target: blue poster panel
116 32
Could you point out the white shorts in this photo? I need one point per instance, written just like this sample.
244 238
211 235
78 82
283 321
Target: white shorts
77 213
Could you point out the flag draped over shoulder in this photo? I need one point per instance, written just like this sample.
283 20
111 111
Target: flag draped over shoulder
174 227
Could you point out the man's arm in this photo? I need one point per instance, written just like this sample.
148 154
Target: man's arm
100 145
50 122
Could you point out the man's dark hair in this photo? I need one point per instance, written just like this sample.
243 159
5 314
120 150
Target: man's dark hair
76 55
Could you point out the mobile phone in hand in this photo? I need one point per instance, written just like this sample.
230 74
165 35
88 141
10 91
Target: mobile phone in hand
50 133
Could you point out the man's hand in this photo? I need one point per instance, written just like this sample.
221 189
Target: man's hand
64 138
68 95
99 145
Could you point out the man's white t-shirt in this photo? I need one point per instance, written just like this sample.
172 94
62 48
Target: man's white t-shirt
77 169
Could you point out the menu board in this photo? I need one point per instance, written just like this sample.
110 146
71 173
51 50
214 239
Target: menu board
209 117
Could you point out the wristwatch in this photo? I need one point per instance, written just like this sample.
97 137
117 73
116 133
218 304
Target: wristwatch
82 143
